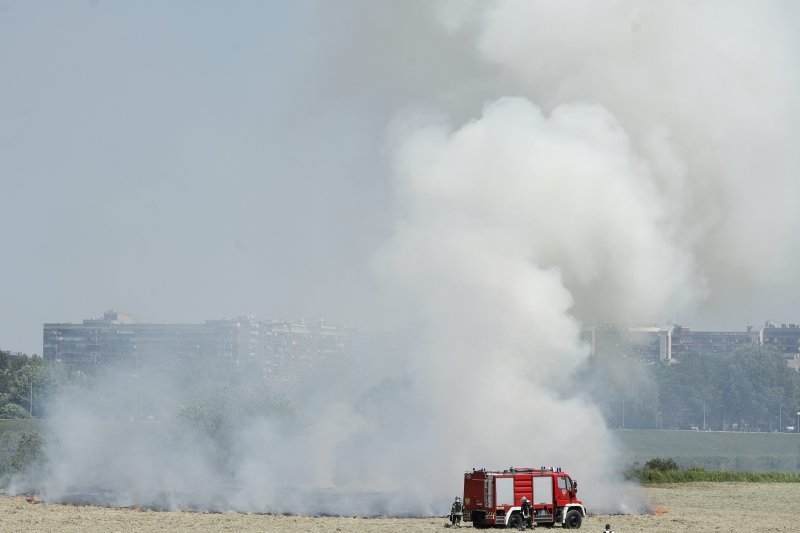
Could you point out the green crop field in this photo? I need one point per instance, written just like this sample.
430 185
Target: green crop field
718 450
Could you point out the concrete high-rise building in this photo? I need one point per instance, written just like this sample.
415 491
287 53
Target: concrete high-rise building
688 343
784 338
289 349
649 343
281 349
654 343
118 339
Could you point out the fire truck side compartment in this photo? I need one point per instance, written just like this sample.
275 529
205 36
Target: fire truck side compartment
504 491
542 491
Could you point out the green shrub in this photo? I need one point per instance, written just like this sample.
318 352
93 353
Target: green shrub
13 411
30 453
663 474
662 465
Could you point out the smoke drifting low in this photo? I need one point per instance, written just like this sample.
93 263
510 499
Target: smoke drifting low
611 170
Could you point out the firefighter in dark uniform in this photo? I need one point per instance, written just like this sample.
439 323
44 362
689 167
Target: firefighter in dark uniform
527 514
456 510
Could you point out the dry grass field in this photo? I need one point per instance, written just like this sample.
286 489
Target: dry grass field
680 507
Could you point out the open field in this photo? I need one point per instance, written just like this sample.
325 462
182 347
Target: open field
688 507
684 507
714 449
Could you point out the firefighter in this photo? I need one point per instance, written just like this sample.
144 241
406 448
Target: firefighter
456 511
527 515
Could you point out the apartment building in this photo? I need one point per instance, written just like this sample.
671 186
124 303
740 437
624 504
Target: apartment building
654 343
648 343
281 349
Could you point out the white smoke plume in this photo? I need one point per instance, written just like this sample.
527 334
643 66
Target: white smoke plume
706 94
623 161
626 196
499 221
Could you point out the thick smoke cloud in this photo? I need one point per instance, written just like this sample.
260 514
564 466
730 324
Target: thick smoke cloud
706 95
566 192
500 222
625 161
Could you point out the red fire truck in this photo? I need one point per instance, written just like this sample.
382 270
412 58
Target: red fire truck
494 498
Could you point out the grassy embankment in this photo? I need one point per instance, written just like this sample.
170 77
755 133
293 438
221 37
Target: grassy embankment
652 476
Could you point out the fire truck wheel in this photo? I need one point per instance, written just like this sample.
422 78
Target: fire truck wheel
573 520
515 521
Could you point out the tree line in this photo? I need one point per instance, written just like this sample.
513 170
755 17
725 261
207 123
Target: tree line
23 381
751 389
28 384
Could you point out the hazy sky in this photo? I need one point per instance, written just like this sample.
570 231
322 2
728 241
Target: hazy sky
177 161
181 161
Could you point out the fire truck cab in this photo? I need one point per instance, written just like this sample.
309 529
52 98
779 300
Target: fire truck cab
494 498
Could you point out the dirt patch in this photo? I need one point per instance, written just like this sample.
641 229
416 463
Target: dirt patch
681 507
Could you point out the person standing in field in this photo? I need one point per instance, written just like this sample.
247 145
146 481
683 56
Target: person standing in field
456 510
608 529
527 518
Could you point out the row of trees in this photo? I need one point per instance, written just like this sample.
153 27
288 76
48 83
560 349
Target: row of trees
26 383
20 378
750 390
115 391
